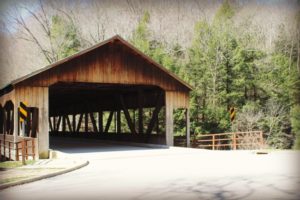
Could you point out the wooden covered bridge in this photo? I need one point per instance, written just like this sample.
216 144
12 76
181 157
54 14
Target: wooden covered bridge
102 92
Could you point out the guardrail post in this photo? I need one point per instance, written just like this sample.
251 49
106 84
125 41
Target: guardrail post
234 141
17 152
213 142
33 149
0 150
261 139
23 152
9 151
26 149
4 150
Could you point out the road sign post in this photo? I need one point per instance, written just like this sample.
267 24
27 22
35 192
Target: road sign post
232 114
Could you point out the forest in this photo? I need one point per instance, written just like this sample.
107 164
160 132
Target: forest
224 62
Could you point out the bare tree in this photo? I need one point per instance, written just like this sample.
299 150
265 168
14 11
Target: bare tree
247 120
27 33
275 114
36 27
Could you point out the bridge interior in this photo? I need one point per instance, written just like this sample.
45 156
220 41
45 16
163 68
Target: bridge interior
117 112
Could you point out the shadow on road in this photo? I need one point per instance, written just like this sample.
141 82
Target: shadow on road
235 188
85 145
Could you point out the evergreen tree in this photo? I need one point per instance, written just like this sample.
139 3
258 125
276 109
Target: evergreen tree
64 35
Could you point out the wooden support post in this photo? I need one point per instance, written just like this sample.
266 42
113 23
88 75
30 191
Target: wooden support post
140 112
17 152
94 122
79 122
188 134
9 151
0 150
111 114
33 149
86 122
100 121
169 120
118 121
63 123
213 142
234 141
35 122
26 149
4 149
127 116
74 122
261 139
23 152
18 122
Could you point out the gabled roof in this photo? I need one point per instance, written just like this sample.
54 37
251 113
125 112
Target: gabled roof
105 42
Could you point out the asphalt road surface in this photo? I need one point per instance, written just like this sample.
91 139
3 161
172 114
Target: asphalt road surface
124 172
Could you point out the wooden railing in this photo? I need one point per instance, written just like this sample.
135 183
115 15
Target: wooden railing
24 148
233 141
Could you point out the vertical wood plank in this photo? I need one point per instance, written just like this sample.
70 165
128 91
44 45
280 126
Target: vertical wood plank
187 119
169 119
42 94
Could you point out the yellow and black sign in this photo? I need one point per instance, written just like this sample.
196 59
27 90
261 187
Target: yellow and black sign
23 111
232 113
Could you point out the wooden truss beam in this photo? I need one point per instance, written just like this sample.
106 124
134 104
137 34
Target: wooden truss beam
111 114
69 123
154 118
79 122
94 122
127 115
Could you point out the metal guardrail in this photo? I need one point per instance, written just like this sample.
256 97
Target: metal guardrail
24 149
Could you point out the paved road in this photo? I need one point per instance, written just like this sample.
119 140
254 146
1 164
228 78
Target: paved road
123 172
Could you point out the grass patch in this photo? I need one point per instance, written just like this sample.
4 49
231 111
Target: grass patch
13 179
14 164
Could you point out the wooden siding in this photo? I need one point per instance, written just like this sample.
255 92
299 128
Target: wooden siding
108 64
179 99
37 97
7 97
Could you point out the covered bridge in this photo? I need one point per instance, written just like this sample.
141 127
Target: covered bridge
102 92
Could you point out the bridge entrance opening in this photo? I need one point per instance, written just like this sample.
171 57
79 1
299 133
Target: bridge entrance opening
114 112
